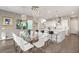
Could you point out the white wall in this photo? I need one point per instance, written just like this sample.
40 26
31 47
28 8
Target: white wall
9 14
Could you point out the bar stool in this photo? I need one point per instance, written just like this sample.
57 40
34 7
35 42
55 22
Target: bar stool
37 34
51 33
50 40
42 31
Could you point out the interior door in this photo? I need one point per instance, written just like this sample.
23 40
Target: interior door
74 26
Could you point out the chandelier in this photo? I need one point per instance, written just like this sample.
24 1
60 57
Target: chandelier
35 11
23 16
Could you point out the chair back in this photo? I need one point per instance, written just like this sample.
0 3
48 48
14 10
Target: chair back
24 45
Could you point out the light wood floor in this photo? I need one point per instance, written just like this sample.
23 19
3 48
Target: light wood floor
7 46
69 45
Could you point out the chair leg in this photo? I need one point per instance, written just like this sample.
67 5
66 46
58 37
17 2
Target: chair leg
15 46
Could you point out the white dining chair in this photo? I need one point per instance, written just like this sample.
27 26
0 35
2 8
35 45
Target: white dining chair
24 45
44 37
39 44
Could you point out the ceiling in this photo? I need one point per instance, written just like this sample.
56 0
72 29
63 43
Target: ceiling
44 11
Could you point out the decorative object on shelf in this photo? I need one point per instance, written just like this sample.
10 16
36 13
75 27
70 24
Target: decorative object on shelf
7 20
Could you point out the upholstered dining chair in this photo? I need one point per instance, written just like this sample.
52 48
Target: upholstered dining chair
24 45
